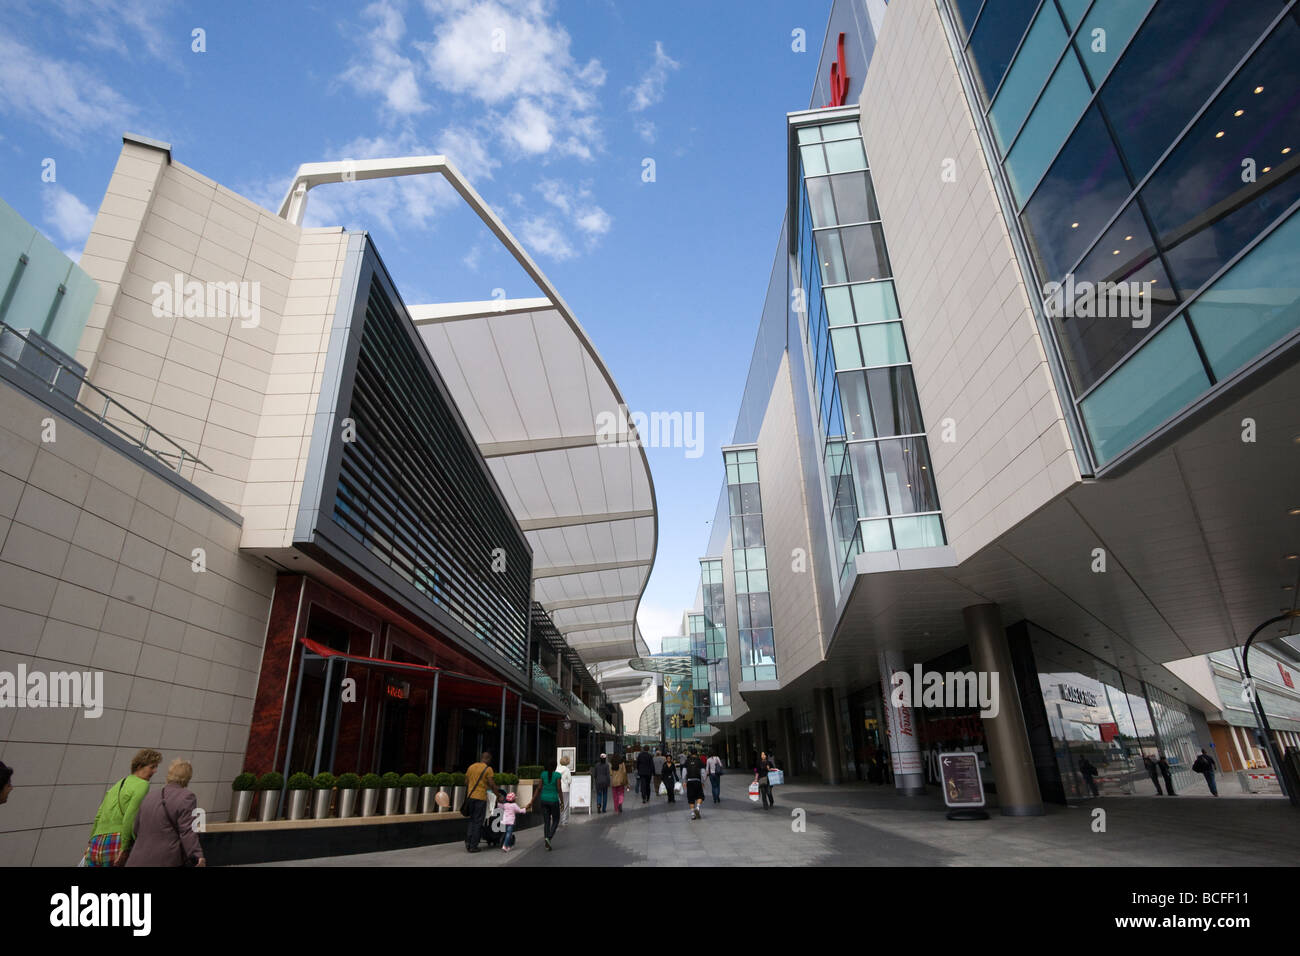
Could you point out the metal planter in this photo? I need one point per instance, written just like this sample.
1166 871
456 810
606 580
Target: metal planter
270 805
321 804
391 796
457 798
428 799
347 804
369 802
411 799
243 804
298 804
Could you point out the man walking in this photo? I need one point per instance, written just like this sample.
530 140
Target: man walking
1205 764
713 767
1154 771
481 782
659 764
1163 764
645 769
694 783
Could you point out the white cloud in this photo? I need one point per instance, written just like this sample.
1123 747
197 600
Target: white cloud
510 56
382 69
578 206
126 26
650 89
658 622
63 98
542 236
69 217
646 130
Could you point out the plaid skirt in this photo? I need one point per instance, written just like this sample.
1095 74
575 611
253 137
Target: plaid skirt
103 849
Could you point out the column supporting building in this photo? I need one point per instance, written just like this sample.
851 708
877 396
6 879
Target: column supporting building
900 724
825 735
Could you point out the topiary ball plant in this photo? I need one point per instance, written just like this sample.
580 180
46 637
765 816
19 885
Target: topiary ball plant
325 781
390 780
457 780
428 779
531 771
300 781
245 781
271 780
371 781
409 780
443 779
349 781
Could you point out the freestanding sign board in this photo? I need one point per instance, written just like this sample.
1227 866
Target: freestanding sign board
960 774
580 792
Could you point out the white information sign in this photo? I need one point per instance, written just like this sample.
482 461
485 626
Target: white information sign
580 792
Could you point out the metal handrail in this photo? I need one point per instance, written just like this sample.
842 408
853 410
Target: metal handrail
181 454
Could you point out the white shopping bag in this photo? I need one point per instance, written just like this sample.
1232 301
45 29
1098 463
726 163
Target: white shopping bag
753 791
677 787
663 791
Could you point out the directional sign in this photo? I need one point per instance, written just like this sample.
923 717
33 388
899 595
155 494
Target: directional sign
962 786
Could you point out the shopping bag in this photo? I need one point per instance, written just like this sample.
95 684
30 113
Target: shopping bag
663 791
677 787
753 791
775 778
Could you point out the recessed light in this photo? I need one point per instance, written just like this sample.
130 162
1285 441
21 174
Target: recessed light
1288 587
1267 168
1238 113
1127 238
1286 150
1075 225
1292 557
1294 511
1115 253
1219 134
1259 89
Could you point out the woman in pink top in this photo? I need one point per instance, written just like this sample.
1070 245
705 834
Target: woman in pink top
509 810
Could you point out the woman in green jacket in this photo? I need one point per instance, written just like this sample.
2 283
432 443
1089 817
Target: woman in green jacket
551 797
110 839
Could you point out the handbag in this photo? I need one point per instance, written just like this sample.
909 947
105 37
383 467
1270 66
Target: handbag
775 778
464 807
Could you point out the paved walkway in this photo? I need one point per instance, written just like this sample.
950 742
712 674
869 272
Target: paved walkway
863 824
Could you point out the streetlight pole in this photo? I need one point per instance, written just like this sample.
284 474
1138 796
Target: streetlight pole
1288 785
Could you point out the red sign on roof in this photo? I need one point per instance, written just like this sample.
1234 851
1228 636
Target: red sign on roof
839 76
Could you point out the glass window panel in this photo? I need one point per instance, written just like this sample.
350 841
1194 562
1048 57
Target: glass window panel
733 499
738 559
1034 63
831 256
757 581
894 406
753 532
737 532
847 130
1201 209
814 160
821 202
1047 127
733 475
845 155
925 531
1153 92
756 558
964 12
1075 200
875 536
839 305
845 343
875 301
857 409
1119 18
882 344
855 200
809 134
760 610
869 483
1163 377
1073 10
748 472
994 42
908 477
742 585
750 500
1253 305
864 253
1098 327
747 455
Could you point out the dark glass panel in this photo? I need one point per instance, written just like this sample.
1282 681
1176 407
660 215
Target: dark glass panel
864 253
855 200
894 406
908 477
995 39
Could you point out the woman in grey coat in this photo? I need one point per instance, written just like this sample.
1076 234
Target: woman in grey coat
164 827
600 780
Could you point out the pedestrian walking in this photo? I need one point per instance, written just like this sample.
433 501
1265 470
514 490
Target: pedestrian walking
481 783
1089 774
694 783
668 776
713 767
566 779
659 763
114 828
600 780
618 783
1163 764
551 796
645 770
164 828
761 766
1204 764
6 782
1154 771
510 812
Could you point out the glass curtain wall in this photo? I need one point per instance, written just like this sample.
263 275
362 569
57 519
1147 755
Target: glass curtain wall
1126 165
749 565
880 483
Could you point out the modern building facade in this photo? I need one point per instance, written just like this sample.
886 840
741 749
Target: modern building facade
1024 384
278 520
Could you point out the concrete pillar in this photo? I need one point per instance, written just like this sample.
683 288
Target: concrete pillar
901 730
789 752
1008 740
826 735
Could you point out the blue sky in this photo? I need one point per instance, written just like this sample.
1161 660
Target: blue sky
549 108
